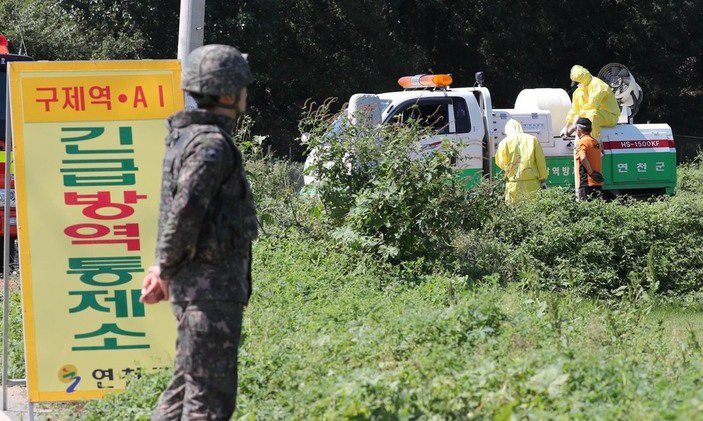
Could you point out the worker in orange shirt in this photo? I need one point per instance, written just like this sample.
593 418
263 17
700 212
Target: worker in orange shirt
588 162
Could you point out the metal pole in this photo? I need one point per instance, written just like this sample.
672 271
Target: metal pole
191 32
30 411
191 29
6 245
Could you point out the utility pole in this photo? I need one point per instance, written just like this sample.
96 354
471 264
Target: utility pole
191 31
192 27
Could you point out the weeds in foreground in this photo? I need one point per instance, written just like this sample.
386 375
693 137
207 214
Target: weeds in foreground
322 340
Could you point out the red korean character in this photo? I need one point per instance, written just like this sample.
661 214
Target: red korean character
89 234
74 98
100 205
100 95
48 101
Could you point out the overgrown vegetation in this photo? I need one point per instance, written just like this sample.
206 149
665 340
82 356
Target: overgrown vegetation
393 292
378 197
331 336
381 200
548 309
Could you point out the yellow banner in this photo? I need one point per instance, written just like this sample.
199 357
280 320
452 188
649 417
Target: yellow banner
88 150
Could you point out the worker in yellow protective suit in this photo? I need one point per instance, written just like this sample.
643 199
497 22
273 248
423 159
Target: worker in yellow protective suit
594 100
521 158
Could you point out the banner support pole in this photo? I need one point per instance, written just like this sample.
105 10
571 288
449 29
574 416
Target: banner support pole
6 248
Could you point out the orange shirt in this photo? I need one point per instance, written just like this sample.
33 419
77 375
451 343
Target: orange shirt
588 148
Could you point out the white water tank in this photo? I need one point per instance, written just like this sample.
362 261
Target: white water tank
554 100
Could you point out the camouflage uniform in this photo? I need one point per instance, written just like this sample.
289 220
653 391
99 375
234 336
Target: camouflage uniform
207 222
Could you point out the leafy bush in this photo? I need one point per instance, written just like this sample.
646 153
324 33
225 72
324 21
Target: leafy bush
384 194
593 247
690 176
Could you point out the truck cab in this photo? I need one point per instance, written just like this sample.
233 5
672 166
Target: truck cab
452 114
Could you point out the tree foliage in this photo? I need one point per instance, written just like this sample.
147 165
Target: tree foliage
304 49
52 30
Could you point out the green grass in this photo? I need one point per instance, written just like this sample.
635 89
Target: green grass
329 335
15 345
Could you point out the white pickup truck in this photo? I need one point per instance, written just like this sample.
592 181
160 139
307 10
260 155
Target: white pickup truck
638 158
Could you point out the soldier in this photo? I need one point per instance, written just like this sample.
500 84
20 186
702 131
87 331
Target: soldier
207 223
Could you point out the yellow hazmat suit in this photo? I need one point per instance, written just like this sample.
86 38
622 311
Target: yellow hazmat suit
594 100
521 158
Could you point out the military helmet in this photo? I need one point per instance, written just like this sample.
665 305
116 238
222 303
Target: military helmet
215 70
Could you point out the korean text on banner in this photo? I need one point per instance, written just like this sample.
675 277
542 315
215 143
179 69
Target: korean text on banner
89 145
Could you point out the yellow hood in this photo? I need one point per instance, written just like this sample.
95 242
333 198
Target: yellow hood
581 75
512 127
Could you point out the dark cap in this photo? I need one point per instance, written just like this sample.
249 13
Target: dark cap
584 123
